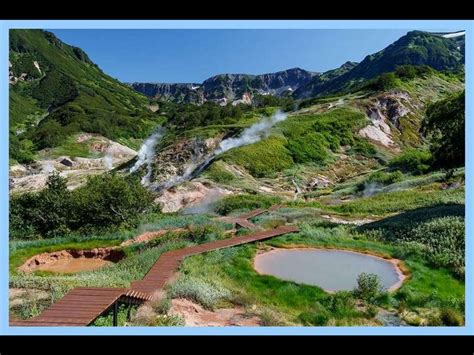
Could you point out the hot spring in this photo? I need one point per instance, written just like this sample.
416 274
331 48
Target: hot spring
332 270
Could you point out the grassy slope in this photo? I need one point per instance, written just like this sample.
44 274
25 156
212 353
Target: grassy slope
103 105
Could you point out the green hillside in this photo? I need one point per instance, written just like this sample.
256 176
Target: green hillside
61 92
415 48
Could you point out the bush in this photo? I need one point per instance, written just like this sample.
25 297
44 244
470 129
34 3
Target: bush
385 178
412 161
341 304
219 174
163 306
245 201
369 287
384 82
410 72
437 233
312 147
445 239
313 318
173 320
445 125
451 317
55 89
200 291
311 138
105 202
363 147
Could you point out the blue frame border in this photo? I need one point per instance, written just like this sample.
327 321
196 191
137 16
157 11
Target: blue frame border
429 25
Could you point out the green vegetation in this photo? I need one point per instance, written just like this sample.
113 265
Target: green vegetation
416 48
187 116
125 312
244 202
78 96
437 232
397 201
412 161
445 124
55 89
369 288
105 202
263 158
311 138
382 178
280 302
218 173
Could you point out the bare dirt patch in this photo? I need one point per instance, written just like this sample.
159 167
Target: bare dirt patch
196 316
148 236
70 261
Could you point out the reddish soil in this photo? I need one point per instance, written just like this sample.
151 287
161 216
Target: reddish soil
196 316
147 236
67 261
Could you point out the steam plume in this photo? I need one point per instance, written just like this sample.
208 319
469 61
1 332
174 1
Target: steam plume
146 154
252 134
249 135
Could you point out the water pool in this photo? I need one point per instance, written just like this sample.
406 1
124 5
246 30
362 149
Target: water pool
332 270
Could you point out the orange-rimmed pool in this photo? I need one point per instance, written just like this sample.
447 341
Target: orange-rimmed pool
331 269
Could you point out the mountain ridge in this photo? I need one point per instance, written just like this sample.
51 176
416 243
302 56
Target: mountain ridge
437 50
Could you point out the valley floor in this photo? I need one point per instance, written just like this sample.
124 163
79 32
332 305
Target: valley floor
417 220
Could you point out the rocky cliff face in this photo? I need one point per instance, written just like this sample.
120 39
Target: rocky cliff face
226 88
173 92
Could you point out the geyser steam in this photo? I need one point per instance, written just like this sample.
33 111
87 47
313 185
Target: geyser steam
252 134
249 135
146 154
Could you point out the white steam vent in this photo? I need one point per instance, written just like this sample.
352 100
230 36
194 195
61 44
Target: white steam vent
146 154
252 134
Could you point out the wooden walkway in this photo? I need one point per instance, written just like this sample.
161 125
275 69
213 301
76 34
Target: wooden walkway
168 263
82 305
79 307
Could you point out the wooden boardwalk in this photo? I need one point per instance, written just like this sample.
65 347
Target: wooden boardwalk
168 263
82 305
79 307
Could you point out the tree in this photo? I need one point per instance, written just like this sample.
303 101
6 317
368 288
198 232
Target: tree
109 200
444 125
385 81
369 287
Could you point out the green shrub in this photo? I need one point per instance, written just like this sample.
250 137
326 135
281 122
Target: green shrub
244 202
369 287
313 318
219 174
445 241
385 81
385 178
341 304
451 317
371 311
55 89
205 293
105 202
312 147
311 138
163 306
412 161
410 72
363 147
173 320
436 233
445 126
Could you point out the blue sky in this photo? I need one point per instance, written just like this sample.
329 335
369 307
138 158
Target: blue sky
194 55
